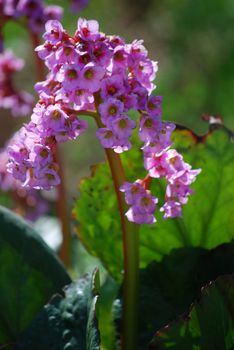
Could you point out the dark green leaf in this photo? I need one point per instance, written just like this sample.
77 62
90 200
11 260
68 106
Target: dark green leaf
168 287
68 322
29 273
209 325
207 218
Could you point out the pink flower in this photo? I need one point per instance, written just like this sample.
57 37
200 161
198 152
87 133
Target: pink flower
91 76
54 31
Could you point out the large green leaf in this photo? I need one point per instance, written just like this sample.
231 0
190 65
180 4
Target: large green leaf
29 273
168 287
207 218
209 325
67 322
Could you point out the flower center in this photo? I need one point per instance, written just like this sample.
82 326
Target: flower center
173 160
148 123
135 189
67 51
89 74
118 56
108 134
111 90
44 153
151 105
145 201
50 177
122 124
112 110
72 74
56 115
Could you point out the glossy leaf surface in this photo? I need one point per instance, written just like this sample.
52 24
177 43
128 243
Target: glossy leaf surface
168 287
67 322
29 273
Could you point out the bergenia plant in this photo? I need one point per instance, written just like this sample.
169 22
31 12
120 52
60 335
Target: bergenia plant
99 77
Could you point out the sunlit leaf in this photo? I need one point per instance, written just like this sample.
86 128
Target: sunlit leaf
208 217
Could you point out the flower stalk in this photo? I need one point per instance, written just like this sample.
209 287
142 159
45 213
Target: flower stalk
130 237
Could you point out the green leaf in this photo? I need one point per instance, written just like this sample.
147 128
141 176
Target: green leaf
168 287
68 322
99 226
209 324
207 218
29 273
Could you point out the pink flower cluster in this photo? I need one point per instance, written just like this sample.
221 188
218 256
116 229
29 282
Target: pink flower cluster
20 102
142 203
92 73
178 174
35 12
168 164
27 201
25 148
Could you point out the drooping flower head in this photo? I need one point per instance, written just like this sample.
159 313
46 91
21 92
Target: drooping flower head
93 73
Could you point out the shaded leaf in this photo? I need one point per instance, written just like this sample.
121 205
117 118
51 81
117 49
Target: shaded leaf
29 273
209 325
168 287
67 322
208 217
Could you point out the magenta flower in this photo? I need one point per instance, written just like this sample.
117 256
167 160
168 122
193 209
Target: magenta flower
91 76
132 191
106 137
150 126
110 110
54 32
112 87
123 126
142 203
69 76
171 209
87 30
